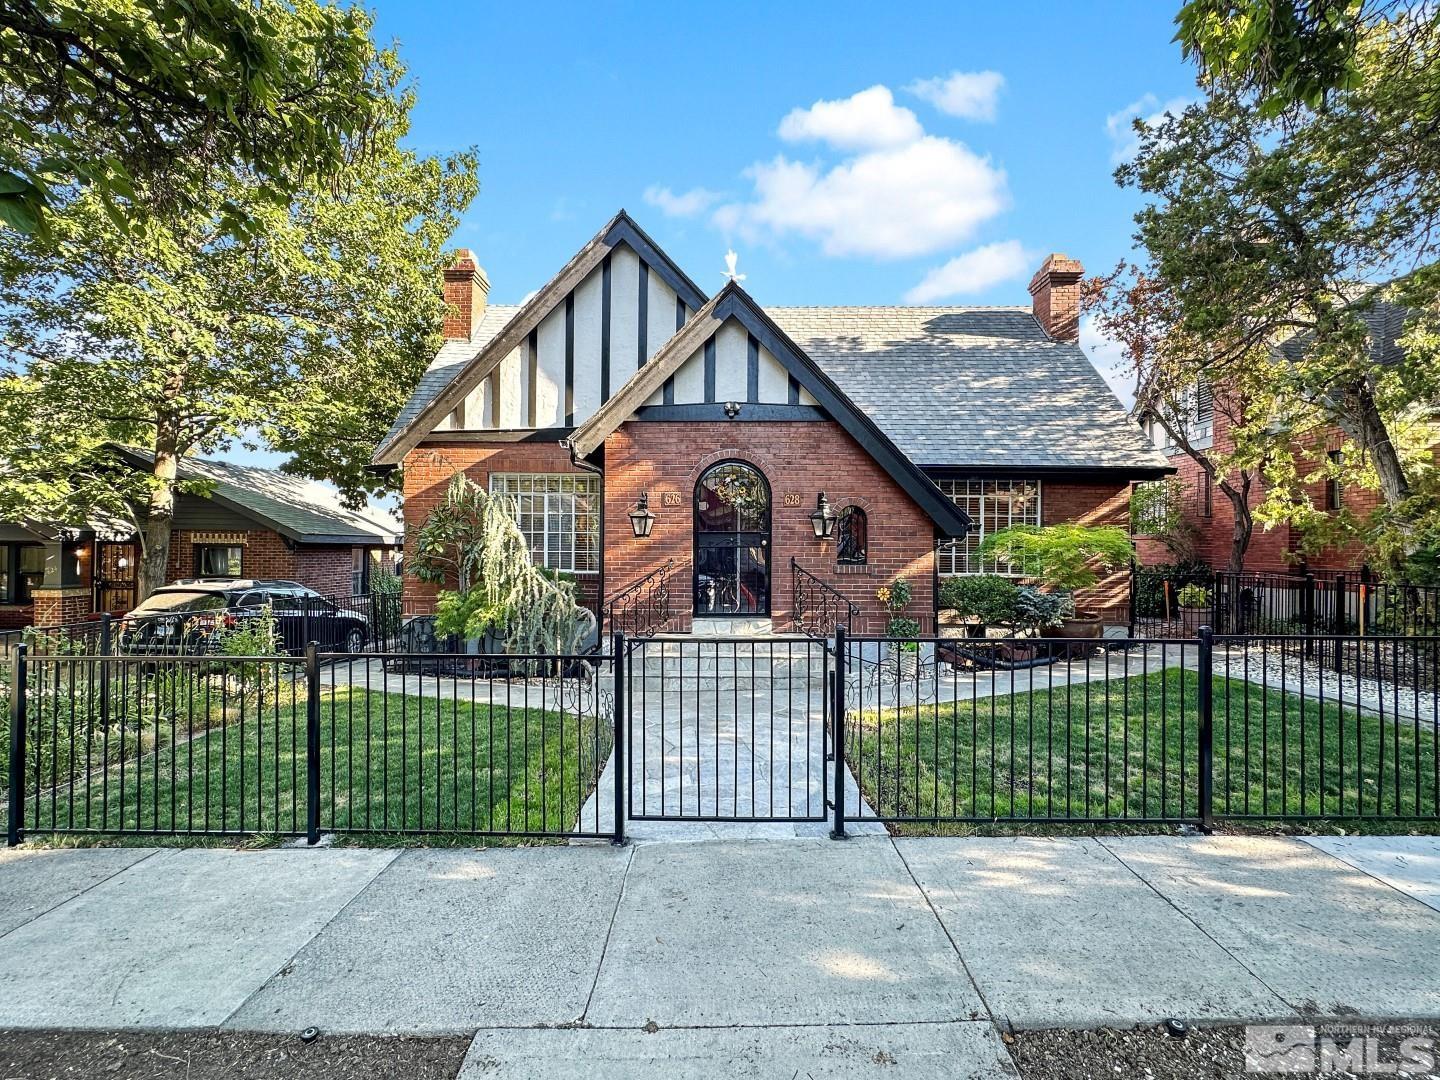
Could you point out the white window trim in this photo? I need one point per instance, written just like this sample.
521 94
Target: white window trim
545 553
949 551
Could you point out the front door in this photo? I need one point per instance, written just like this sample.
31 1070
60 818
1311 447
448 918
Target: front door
732 541
115 576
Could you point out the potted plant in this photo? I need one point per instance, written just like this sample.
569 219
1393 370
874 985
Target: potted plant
1194 607
1064 559
902 628
978 601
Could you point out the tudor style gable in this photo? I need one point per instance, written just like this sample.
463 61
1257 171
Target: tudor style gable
551 362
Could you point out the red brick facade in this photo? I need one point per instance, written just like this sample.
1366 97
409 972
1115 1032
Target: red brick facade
798 460
428 471
1276 549
323 567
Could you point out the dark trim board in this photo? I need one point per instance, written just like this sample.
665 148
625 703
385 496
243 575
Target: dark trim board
605 329
1053 473
716 411
504 435
624 229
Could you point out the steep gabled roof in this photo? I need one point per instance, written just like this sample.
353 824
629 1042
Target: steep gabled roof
973 387
433 400
733 302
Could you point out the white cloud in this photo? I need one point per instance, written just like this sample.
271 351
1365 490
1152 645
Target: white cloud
1108 358
1120 125
909 200
968 94
864 121
686 204
972 272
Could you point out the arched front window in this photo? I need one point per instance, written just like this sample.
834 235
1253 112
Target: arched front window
851 536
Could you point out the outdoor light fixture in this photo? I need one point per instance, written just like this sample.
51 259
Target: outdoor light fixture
822 519
641 519
732 409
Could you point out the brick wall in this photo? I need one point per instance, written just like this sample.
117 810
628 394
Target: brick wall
322 567
428 471
61 606
799 460
1093 504
1276 549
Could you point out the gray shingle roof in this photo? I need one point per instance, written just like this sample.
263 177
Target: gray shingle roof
971 386
453 356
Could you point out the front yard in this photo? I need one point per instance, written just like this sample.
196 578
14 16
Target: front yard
1129 749
390 763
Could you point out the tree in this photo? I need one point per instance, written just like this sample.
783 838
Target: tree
1141 313
1265 232
304 336
166 94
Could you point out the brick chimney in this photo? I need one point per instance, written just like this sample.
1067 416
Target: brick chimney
466 288
1055 296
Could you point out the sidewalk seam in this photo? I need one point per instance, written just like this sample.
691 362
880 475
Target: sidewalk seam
946 931
93 885
609 929
1361 870
1100 840
220 1025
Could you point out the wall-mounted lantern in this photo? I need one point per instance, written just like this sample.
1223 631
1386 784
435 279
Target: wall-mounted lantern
641 519
822 519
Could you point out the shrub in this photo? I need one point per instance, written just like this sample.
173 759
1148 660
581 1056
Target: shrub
1194 596
1038 610
987 597
1063 557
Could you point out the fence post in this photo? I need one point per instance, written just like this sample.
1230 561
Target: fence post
106 644
619 661
1307 612
1206 706
312 743
17 745
837 719
1131 632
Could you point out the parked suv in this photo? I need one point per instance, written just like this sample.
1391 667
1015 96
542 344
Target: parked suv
193 615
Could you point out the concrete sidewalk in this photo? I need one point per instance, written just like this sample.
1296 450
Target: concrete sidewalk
831 959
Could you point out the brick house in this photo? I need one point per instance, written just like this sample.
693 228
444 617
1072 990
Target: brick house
1209 514
620 383
254 523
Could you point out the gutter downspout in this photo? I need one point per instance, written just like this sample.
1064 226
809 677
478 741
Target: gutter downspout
585 466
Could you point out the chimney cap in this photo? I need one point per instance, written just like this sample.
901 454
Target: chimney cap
464 263
1057 269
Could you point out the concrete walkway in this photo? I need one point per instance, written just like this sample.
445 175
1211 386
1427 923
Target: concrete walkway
726 958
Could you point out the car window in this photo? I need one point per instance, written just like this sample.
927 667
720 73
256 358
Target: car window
284 601
254 598
180 600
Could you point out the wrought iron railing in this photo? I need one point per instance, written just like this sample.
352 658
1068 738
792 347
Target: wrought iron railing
817 608
646 606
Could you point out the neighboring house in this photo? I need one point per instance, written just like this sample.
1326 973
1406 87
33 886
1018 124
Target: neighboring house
255 523
1208 512
620 380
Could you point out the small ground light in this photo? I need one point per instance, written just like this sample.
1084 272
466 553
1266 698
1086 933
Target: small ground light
309 1035
1177 1029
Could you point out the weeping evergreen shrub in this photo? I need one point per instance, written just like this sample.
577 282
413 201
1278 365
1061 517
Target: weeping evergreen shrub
473 539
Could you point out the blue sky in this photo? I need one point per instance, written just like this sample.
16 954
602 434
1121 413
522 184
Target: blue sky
701 121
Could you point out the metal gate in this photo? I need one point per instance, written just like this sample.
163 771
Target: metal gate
727 729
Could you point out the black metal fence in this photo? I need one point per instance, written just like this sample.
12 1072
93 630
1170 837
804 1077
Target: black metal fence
649 604
1177 731
1278 603
816 607
157 745
925 731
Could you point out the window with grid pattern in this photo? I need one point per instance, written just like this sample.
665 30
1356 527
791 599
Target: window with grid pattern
559 513
992 505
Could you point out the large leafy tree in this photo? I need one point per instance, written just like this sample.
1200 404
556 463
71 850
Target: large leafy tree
179 338
1171 369
1284 211
108 94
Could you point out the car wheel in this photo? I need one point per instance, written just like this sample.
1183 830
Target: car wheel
355 640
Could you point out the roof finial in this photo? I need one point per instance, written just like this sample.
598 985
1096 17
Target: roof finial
730 259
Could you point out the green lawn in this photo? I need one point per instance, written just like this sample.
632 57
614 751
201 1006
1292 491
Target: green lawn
1128 748
390 764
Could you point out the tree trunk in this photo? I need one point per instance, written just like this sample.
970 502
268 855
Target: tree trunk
1367 427
1244 522
159 516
